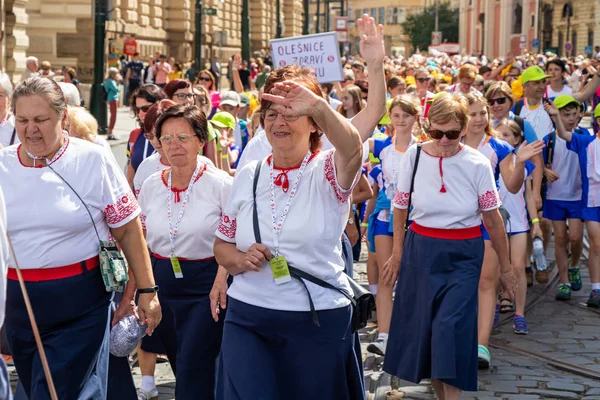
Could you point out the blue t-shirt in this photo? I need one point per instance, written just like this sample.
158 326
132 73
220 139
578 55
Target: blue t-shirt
138 154
136 68
579 144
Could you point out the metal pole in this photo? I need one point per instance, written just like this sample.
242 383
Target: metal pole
327 15
306 18
437 15
198 33
97 104
245 32
279 27
318 30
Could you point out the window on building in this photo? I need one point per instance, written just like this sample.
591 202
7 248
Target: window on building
358 14
590 41
374 13
381 16
401 15
532 21
517 17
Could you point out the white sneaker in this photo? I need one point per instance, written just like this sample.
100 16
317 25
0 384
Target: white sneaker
378 346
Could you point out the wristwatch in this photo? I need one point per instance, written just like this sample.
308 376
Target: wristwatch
152 289
351 221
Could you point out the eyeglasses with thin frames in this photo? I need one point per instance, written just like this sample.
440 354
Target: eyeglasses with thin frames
181 138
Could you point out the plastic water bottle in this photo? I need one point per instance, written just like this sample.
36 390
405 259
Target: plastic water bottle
538 253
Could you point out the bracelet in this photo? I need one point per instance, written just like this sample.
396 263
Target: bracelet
364 224
224 156
152 289
535 220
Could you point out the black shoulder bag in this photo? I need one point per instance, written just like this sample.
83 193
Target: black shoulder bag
412 185
362 300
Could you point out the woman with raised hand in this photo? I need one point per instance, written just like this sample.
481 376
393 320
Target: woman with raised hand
271 341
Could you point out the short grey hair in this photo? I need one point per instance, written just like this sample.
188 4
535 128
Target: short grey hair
38 86
71 94
31 59
6 85
113 71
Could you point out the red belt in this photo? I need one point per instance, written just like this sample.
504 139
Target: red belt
181 258
450 234
49 274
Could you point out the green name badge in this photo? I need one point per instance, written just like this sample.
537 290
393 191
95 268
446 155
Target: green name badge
176 267
280 270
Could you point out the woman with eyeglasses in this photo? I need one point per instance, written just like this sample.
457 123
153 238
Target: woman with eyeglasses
181 207
180 91
481 136
138 146
207 80
438 259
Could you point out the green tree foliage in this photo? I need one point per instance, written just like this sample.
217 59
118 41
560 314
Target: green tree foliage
419 26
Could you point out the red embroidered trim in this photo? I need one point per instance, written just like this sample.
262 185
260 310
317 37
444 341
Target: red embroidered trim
123 208
227 226
401 199
143 221
340 193
41 166
489 199
177 192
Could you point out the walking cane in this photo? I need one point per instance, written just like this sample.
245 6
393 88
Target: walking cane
36 333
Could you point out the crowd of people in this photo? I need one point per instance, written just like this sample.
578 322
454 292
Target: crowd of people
241 212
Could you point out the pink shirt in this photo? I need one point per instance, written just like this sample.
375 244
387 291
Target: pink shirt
163 70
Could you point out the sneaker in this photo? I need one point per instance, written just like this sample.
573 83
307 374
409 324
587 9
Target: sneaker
563 292
484 358
529 275
112 137
497 315
378 346
541 276
575 279
519 325
594 300
144 395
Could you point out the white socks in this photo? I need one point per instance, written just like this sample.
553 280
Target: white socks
596 286
382 336
373 289
148 383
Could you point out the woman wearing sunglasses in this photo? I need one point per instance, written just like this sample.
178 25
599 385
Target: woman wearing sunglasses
138 146
434 321
207 80
182 206
422 78
481 136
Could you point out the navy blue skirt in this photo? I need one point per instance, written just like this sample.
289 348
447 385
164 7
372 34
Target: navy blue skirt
198 336
72 315
272 355
433 333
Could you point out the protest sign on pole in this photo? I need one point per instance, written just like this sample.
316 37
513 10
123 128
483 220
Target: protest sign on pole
319 52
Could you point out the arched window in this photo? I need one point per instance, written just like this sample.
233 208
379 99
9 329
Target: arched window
517 16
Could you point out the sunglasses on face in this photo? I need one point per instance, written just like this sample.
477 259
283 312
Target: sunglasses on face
184 96
500 100
423 80
145 108
181 138
205 79
438 134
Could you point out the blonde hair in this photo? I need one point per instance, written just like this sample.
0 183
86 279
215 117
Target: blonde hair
467 71
499 87
448 107
474 98
409 104
357 102
82 124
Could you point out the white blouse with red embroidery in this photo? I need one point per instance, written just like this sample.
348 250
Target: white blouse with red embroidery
449 193
49 226
201 215
310 238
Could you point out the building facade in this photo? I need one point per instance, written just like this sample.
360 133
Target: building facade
62 31
580 31
495 27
